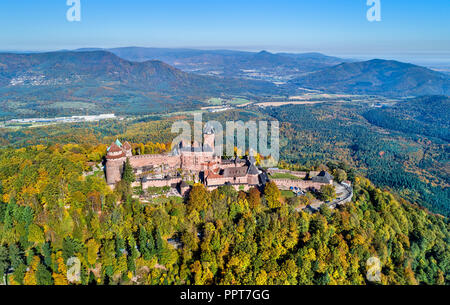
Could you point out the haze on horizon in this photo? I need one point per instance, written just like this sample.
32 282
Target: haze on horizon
414 31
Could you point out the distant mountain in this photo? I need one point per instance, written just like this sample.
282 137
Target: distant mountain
100 79
263 65
378 77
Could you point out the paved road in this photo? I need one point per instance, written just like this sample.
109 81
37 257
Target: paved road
345 196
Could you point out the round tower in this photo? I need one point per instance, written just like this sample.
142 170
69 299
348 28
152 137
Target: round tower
115 158
209 137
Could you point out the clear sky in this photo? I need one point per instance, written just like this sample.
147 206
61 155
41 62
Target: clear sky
340 27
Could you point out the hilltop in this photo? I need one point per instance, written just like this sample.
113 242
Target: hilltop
378 77
253 65
97 80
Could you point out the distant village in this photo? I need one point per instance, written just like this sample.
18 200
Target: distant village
71 119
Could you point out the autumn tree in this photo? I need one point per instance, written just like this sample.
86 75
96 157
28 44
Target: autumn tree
198 198
327 192
254 198
340 175
272 195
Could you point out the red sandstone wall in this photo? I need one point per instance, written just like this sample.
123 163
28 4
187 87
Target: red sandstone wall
160 183
302 184
253 179
113 171
155 160
237 187
220 181
301 175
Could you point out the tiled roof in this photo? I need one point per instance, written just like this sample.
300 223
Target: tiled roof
326 175
109 157
212 175
235 171
114 148
126 146
252 170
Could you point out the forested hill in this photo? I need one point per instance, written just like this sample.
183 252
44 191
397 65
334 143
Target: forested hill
51 212
428 116
232 63
396 147
378 77
101 81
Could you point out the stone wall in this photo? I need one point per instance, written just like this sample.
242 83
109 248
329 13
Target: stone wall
285 184
197 161
155 160
301 175
237 187
161 182
223 180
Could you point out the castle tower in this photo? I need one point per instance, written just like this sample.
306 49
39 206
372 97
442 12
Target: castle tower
115 158
127 149
209 137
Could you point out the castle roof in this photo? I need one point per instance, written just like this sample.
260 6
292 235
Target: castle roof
114 148
109 157
211 174
252 170
323 177
118 143
126 146
325 174
235 171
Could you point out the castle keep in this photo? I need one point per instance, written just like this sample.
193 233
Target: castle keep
186 162
193 162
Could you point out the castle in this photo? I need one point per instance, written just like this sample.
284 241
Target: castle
186 162
193 162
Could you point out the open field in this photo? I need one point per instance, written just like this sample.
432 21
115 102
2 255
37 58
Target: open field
278 104
217 101
309 96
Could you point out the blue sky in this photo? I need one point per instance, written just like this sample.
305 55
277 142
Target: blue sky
340 27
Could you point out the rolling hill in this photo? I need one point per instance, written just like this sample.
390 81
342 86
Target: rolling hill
427 116
253 65
378 77
100 80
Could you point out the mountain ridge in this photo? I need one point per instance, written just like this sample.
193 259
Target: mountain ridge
101 77
261 65
378 77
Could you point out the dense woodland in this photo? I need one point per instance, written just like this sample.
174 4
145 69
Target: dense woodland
424 116
378 142
409 161
51 212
